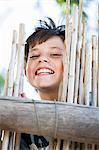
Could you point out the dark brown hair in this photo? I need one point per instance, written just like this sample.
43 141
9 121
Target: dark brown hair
43 33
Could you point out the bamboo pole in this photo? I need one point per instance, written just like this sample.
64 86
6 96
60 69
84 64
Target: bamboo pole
12 65
20 59
58 144
66 145
98 73
66 61
87 81
81 74
66 52
98 56
63 87
73 55
94 74
72 58
81 84
98 78
10 81
94 69
19 76
87 74
78 53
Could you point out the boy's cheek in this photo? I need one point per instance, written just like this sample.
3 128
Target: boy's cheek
28 68
30 72
27 71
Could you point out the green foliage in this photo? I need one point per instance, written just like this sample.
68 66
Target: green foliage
1 83
71 2
74 2
62 3
1 80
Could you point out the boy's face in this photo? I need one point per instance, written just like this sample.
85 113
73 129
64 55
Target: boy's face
44 67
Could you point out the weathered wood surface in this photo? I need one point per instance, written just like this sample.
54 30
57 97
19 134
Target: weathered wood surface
74 122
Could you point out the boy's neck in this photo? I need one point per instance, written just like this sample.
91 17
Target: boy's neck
49 95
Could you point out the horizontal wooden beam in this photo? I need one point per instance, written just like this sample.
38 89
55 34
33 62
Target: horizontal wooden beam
63 120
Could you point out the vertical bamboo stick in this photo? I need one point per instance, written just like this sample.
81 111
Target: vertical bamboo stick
66 145
73 55
19 75
63 88
58 144
98 70
87 80
51 144
72 61
60 89
0 138
78 53
10 85
77 146
94 69
81 79
98 74
5 141
98 56
66 62
66 52
79 44
81 84
98 78
87 74
12 65
94 74
20 54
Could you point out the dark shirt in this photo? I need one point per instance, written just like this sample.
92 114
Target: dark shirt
27 140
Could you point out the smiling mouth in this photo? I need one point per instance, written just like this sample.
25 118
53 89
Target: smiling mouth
44 71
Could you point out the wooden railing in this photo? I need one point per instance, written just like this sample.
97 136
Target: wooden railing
79 123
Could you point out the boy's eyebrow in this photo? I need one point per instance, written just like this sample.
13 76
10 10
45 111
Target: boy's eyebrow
53 47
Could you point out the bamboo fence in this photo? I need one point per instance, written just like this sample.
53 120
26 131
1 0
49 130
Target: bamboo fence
14 86
81 75
81 72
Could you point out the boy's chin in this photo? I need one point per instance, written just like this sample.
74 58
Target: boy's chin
47 88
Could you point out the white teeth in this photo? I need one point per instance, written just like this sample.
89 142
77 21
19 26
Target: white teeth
44 71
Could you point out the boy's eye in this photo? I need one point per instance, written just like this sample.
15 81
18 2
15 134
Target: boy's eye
56 55
34 56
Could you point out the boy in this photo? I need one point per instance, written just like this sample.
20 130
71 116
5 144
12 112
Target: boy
44 68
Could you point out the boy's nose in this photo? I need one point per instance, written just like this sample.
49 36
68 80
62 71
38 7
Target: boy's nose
43 59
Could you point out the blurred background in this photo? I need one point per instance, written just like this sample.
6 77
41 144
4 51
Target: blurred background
13 12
